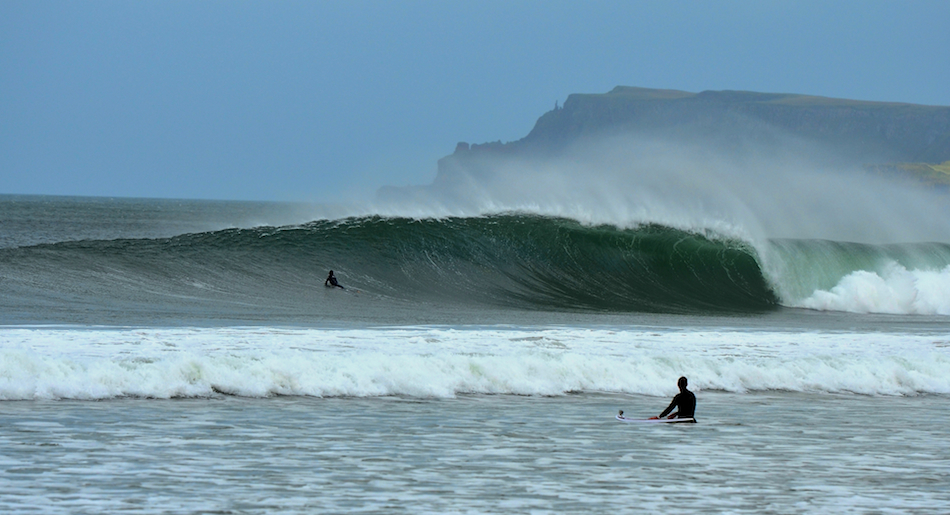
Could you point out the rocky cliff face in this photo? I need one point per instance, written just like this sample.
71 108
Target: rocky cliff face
906 131
856 131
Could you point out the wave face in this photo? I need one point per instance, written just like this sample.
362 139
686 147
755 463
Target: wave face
520 261
543 262
510 261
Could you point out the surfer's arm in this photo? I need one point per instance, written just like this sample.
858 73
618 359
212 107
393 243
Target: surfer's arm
670 407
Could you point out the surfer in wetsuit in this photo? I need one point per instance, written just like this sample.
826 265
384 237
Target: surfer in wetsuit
685 400
331 281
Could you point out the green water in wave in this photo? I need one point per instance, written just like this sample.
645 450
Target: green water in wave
517 261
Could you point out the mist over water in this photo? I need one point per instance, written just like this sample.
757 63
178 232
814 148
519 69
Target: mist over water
789 190
828 234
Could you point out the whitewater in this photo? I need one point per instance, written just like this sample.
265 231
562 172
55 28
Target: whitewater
445 362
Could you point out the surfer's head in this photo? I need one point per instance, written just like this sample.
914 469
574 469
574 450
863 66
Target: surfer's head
681 383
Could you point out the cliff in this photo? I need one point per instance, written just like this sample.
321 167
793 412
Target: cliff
902 132
855 132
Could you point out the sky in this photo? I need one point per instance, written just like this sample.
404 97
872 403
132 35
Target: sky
327 101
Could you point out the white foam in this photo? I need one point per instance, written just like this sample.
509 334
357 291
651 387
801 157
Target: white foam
64 363
896 290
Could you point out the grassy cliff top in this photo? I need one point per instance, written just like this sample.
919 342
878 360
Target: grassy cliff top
931 174
630 93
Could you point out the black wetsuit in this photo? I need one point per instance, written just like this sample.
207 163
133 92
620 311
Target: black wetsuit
686 402
331 281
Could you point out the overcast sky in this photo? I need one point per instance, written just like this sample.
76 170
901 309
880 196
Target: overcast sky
322 101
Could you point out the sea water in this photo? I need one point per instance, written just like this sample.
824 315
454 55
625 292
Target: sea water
166 357
762 452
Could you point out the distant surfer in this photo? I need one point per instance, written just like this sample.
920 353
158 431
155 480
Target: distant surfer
685 401
331 281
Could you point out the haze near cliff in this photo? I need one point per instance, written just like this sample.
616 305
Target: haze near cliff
745 165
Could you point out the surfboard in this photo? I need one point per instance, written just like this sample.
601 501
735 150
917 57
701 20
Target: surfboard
655 420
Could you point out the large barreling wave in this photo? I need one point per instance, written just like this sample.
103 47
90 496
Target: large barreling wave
507 261
504 261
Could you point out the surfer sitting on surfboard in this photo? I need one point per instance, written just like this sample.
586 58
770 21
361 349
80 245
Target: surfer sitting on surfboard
331 281
685 400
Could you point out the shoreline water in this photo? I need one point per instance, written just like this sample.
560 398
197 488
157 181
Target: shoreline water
774 452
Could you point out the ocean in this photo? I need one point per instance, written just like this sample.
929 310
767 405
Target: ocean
184 356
